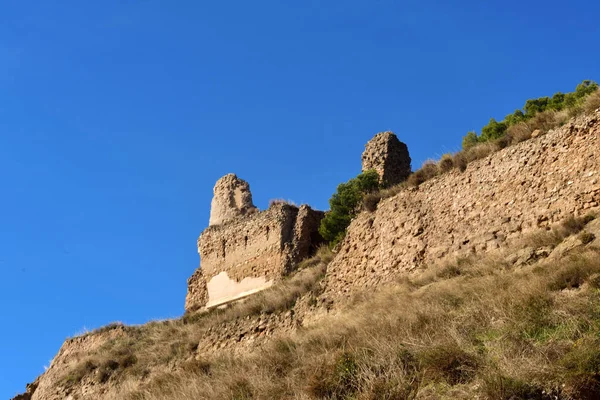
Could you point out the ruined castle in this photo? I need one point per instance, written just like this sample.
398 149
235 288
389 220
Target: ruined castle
244 250
530 186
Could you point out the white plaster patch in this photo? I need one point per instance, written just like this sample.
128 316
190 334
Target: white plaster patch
222 289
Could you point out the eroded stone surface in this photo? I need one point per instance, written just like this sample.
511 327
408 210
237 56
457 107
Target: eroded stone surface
197 294
389 157
49 386
232 198
253 251
525 187
222 289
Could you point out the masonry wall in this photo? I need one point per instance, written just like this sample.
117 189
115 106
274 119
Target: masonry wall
249 253
533 184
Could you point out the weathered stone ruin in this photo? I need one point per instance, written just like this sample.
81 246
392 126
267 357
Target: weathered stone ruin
520 189
389 157
232 198
244 251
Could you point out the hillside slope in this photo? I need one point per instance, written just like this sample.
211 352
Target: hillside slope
477 284
521 188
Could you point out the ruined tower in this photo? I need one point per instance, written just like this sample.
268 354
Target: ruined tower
232 198
389 157
245 250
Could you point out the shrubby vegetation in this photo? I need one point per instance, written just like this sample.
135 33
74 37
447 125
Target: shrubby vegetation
345 204
572 103
540 114
544 113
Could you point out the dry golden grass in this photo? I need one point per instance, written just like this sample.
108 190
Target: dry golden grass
446 163
428 170
544 121
519 132
469 328
592 102
162 344
276 202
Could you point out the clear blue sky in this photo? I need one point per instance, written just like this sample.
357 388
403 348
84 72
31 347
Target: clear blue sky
116 119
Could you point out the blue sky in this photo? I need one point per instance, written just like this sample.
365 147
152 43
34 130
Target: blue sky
116 119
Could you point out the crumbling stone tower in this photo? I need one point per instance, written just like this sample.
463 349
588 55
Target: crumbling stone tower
389 157
232 198
245 250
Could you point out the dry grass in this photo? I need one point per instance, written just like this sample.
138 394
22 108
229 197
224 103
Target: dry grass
519 132
446 163
592 102
428 171
471 328
544 121
276 202
161 345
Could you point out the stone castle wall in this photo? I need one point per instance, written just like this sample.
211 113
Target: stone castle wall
533 184
249 253
530 185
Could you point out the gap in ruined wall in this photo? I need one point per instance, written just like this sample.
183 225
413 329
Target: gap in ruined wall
222 289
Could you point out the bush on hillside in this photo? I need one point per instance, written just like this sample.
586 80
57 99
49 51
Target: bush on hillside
446 163
542 113
345 204
592 102
427 171
493 130
470 140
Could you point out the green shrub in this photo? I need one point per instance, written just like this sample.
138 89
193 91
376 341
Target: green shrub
493 130
470 140
344 205
542 113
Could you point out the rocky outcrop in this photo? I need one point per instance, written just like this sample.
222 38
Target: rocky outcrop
389 157
197 294
528 186
248 252
30 390
232 198
55 383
